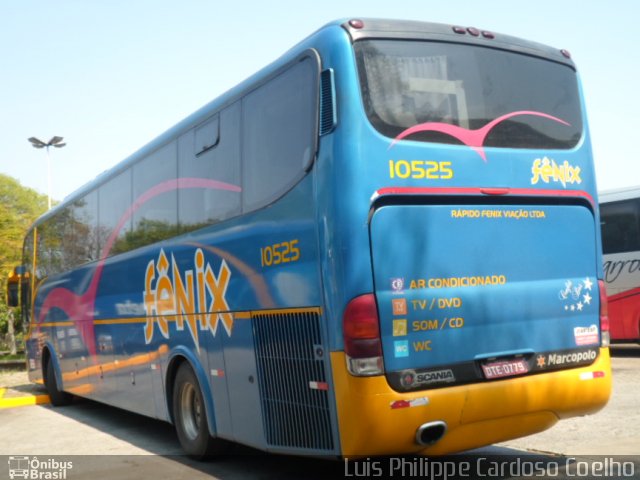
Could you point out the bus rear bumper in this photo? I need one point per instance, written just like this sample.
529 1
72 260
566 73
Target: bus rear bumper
376 420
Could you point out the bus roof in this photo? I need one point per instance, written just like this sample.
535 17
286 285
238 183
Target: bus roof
409 29
617 194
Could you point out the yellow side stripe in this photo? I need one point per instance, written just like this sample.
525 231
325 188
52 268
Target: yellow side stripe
245 315
55 324
138 359
284 311
121 321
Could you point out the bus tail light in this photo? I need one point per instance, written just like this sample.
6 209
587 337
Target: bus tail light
604 315
362 343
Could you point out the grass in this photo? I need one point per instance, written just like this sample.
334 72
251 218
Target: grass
7 356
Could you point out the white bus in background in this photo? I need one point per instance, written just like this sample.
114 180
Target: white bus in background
620 223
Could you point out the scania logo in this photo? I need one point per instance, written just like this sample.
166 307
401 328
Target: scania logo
410 378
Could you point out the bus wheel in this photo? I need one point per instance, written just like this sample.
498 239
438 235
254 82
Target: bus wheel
190 416
58 397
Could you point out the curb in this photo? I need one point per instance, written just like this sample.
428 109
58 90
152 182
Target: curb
21 401
11 364
24 401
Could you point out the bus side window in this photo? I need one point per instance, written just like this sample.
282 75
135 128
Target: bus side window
157 218
207 135
48 257
75 232
114 199
279 134
85 228
214 155
26 282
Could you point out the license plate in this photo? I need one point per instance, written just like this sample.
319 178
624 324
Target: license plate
505 368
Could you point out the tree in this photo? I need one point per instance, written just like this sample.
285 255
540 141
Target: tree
20 208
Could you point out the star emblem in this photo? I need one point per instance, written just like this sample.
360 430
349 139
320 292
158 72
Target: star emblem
541 361
587 283
579 305
587 298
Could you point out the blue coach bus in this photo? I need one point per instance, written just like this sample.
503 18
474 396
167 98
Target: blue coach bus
385 242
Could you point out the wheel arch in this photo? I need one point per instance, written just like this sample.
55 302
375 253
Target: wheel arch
177 357
49 355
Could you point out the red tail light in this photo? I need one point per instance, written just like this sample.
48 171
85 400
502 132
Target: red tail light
362 343
361 328
604 315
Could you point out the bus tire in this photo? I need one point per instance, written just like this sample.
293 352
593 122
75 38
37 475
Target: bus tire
58 397
190 416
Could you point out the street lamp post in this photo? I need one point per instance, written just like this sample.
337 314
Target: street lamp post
54 142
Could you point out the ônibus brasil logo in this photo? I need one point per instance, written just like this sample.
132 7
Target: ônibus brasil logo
35 469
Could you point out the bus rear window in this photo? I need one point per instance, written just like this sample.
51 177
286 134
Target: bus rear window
530 102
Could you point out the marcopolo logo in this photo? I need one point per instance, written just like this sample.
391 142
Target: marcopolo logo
38 469
569 358
561 359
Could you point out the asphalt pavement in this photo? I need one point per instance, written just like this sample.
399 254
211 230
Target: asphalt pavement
102 442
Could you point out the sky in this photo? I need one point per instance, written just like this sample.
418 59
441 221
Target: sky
110 76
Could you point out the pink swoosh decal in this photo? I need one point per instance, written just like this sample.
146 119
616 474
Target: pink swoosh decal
80 308
471 138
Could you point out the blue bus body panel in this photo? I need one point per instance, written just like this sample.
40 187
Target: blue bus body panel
120 354
466 282
372 166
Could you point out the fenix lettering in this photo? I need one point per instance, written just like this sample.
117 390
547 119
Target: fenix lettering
198 299
547 170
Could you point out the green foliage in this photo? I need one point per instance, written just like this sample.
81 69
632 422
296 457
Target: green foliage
4 311
4 324
146 233
20 207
